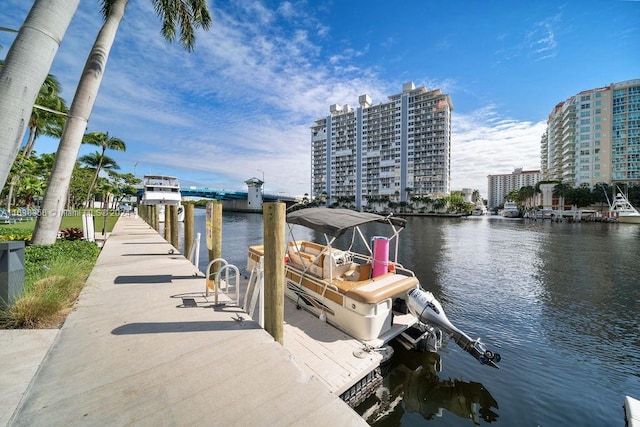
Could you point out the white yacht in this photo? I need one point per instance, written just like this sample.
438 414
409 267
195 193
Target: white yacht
624 210
162 190
510 210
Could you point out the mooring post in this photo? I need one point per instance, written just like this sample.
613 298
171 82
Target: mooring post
273 223
152 215
155 221
167 223
214 239
188 228
175 230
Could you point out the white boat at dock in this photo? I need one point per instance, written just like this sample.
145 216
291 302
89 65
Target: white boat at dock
370 296
631 411
162 190
480 209
622 209
511 210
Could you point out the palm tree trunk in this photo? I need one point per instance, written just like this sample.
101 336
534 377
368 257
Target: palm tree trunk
95 179
25 68
48 224
30 141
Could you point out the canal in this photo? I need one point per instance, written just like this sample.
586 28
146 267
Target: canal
560 302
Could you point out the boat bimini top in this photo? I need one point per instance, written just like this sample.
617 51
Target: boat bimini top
334 222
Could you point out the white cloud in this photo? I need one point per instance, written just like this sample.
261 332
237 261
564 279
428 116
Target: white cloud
485 144
246 97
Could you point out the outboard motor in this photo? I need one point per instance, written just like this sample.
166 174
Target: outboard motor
428 310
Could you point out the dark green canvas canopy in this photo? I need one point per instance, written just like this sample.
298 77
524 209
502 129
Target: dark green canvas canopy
334 222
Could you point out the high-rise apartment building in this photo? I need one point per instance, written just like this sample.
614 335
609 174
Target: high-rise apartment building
397 148
503 184
594 136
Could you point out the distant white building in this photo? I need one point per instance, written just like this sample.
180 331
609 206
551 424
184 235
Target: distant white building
503 184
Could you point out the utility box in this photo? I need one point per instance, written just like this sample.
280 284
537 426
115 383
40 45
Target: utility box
11 272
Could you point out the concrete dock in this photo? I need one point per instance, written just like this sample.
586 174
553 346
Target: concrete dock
134 352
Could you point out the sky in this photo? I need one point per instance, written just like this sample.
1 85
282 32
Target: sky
241 105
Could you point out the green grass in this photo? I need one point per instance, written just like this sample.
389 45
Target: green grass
23 230
54 277
54 274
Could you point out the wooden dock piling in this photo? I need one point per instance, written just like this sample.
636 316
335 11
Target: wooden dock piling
274 222
167 224
175 230
189 219
214 241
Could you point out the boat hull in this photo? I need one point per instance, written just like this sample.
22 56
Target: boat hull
511 214
629 219
364 309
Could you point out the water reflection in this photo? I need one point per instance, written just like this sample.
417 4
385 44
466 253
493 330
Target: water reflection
412 385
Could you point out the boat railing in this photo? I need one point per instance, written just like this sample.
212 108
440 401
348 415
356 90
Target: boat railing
395 267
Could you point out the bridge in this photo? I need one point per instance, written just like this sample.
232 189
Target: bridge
214 194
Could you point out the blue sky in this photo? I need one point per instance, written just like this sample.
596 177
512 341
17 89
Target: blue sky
243 102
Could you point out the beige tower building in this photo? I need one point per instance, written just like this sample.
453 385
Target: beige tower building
503 184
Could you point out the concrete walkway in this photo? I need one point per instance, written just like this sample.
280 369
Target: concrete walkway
133 352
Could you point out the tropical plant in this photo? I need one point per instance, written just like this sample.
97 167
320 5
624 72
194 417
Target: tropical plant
28 176
79 185
103 140
561 189
456 203
124 185
183 14
96 161
41 122
526 195
48 115
25 69
439 203
71 234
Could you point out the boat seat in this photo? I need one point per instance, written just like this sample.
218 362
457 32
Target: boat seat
360 273
307 250
305 255
373 291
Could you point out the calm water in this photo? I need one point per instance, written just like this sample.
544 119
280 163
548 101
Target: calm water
559 302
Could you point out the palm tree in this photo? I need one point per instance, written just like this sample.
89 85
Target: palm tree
96 161
103 140
44 122
561 189
31 187
526 195
25 68
183 14
41 122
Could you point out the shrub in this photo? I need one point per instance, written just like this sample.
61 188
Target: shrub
71 234
13 233
54 277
